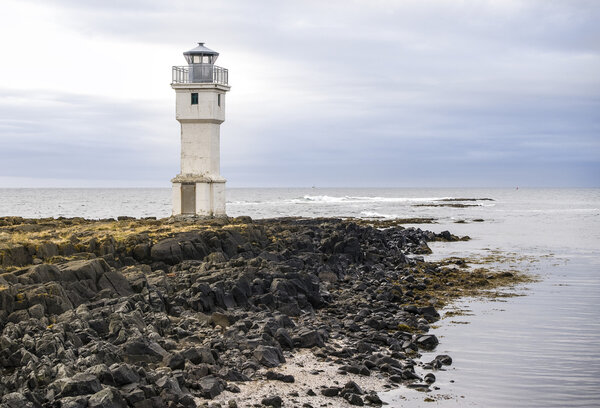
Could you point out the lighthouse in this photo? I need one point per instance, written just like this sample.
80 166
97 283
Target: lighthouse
200 89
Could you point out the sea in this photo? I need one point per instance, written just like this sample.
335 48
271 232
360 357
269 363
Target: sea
538 347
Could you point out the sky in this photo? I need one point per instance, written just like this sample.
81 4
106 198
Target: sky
337 93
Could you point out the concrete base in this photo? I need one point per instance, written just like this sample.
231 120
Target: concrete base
198 196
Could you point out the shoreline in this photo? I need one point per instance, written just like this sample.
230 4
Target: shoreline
142 311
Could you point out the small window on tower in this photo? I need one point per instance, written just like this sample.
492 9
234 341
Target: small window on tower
194 98
219 99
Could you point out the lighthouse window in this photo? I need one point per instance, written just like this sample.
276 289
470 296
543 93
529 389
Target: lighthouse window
194 98
196 59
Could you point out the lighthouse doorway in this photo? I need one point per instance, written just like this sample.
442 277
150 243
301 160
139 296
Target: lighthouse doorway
188 198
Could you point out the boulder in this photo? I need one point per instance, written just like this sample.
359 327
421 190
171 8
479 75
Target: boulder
16 400
272 401
14 255
116 282
107 398
354 399
353 387
79 384
427 342
283 338
269 356
211 386
271 375
330 391
443 359
309 338
168 251
123 374
429 313
89 269
142 350
101 372
175 361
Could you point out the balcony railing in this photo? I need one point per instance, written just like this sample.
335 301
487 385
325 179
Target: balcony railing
200 74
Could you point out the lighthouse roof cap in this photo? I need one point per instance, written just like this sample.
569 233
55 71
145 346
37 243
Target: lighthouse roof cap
201 50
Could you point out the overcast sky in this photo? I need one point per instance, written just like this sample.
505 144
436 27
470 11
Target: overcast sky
423 93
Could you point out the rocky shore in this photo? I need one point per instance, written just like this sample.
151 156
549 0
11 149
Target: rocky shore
186 313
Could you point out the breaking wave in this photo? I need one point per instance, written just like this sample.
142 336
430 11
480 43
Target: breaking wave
358 199
375 214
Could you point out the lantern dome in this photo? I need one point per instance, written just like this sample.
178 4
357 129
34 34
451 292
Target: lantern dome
201 55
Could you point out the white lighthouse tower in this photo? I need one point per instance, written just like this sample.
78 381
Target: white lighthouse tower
200 89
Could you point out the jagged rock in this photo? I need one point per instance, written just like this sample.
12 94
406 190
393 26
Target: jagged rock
123 374
174 361
107 398
373 398
269 356
74 402
353 387
354 399
330 391
310 338
427 342
167 251
284 339
141 349
271 375
101 372
16 400
211 386
273 401
79 384
444 359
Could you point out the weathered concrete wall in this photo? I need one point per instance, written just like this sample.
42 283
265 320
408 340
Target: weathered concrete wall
200 146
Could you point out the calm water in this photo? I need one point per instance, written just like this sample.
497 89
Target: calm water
538 350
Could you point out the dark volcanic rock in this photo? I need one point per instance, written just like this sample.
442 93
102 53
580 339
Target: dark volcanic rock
428 342
16 400
269 356
123 374
354 399
174 361
79 384
279 377
274 401
107 398
330 391
211 386
161 317
142 349
444 359
167 251
310 338
352 387
284 339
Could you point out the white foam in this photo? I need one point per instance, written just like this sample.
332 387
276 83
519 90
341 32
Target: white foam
375 214
360 199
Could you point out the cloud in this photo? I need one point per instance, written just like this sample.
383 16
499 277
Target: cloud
337 93
69 136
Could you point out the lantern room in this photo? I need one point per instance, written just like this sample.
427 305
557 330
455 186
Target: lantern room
201 62
201 55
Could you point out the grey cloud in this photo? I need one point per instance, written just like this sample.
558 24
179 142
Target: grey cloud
385 92
60 135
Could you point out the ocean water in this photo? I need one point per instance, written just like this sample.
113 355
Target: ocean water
541 349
